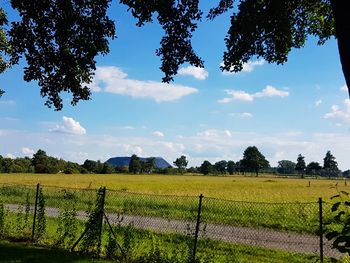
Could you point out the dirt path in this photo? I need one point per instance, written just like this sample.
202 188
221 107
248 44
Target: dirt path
259 237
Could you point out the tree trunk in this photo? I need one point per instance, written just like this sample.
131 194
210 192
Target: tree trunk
342 28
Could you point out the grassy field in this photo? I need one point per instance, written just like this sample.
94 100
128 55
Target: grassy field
255 202
140 243
263 205
255 189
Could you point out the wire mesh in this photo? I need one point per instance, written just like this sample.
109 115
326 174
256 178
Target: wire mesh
292 228
229 231
16 211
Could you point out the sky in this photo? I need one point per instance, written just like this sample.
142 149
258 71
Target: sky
301 107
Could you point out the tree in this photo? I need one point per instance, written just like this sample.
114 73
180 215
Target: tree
150 164
313 168
231 167
221 166
134 164
39 161
253 160
330 166
90 165
286 167
181 163
301 165
60 40
206 167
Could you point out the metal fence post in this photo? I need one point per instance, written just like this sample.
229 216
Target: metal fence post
321 229
197 228
103 196
35 209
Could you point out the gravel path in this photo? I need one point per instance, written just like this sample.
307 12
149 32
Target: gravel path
259 237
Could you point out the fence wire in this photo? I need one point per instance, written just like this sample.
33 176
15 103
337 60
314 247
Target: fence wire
133 224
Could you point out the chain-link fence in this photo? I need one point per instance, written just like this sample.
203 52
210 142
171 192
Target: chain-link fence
120 224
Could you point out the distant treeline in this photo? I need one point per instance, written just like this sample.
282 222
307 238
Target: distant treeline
253 161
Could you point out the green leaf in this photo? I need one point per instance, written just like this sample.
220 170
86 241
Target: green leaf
337 217
335 206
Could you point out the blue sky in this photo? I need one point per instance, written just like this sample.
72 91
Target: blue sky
299 107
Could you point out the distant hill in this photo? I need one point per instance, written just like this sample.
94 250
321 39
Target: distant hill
124 161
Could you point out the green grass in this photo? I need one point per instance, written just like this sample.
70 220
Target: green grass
263 189
301 215
141 243
22 253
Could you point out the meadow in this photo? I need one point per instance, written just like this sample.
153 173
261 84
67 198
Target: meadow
285 204
136 244
237 188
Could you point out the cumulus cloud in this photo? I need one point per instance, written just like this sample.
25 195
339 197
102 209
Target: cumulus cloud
240 95
114 80
241 115
270 91
158 134
338 114
27 151
318 103
344 88
70 126
196 72
10 155
247 67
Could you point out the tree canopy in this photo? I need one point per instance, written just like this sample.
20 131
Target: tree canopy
61 39
253 160
300 165
181 163
330 165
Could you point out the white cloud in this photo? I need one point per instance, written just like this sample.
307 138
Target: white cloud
247 67
269 91
196 72
128 127
208 144
342 115
27 151
241 115
225 100
132 149
318 103
214 134
10 155
70 126
158 134
239 95
114 80
7 102
344 88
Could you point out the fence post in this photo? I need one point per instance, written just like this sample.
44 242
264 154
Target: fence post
35 209
197 228
103 196
321 229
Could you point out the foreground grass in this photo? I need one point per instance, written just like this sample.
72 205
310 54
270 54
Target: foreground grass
22 253
263 189
137 243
